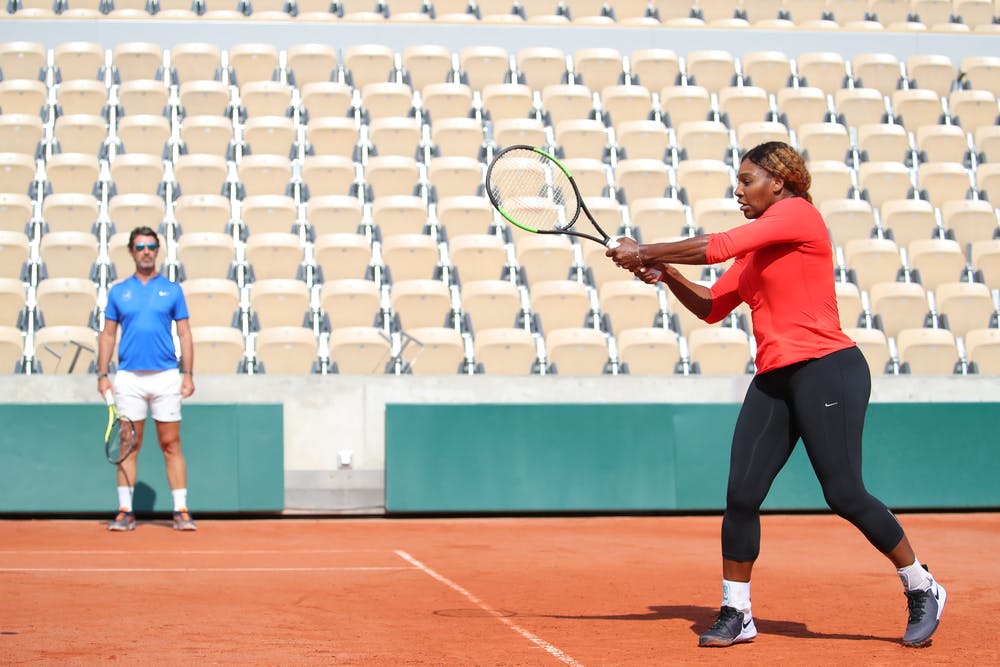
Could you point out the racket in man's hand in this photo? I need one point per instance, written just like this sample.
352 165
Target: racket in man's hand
536 192
119 435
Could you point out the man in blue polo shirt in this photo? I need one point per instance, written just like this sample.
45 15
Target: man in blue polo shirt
148 376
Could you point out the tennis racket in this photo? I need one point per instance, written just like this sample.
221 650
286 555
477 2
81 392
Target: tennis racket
119 435
537 193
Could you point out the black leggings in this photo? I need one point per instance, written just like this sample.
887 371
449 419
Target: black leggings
823 401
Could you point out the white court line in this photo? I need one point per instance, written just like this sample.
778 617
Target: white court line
196 569
531 637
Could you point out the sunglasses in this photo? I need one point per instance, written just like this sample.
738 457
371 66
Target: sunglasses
139 247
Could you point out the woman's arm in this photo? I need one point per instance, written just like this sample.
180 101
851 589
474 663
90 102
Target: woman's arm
696 298
632 256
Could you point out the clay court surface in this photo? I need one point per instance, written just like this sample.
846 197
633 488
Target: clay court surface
483 591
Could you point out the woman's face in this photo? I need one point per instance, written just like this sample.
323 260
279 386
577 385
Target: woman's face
756 189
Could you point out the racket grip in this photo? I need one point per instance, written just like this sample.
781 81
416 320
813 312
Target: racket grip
612 242
109 397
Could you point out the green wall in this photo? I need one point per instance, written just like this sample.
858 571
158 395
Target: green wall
52 460
500 458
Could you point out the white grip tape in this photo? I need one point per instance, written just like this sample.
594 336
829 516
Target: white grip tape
109 397
613 241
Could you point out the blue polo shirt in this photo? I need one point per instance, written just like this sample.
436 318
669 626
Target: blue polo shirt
145 313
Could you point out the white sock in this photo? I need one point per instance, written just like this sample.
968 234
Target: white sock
736 594
915 577
125 498
180 499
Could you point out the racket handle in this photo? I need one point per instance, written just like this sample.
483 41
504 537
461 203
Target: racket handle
613 241
109 397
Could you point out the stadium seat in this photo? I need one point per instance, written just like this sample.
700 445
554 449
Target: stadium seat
831 180
821 69
269 135
656 68
982 346
21 133
873 345
884 180
80 133
195 61
455 175
421 303
15 211
577 350
507 100
685 103
268 213
848 303
973 108
544 256
457 136
137 173
333 214
326 99
426 63
135 61
11 349
200 174
983 72
648 350
629 303
969 219
386 98
484 65
395 135
350 302
943 181
806 104
560 303
144 134
447 100
967 305
705 179
823 141
942 143
399 214
477 256
908 219
411 256
877 70
491 303
264 174
646 139
15 252
73 212
286 350
465 215
505 351
873 260
917 107
311 63
211 302
860 106
541 66
68 254
67 301
205 254
720 214
22 60
328 174
207 134
932 71
204 97
719 350
274 254
66 349
848 219
927 351
434 351
201 213
22 96
280 302
900 305
142 96
253 61
359 350
938 260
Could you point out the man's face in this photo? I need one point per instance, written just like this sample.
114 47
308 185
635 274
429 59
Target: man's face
144 250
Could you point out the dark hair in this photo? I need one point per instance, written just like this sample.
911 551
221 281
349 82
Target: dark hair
141 231
781 160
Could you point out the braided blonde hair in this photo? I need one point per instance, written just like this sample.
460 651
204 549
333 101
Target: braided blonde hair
782 161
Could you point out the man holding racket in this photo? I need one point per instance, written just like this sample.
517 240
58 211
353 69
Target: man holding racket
148 378
811 383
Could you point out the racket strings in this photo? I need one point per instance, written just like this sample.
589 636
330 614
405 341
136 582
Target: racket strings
530 188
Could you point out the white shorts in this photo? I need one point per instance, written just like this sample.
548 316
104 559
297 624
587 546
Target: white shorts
138 391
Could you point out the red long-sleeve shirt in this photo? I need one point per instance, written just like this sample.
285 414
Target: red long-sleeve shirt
784 272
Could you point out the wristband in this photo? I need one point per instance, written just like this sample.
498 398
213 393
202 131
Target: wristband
101 375
187 373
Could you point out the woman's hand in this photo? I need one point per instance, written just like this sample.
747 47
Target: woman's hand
652 274
627 254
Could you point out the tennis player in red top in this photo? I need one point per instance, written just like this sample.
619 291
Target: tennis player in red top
811 383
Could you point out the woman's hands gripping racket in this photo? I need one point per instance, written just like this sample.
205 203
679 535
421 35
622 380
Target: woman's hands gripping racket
534 191
119 435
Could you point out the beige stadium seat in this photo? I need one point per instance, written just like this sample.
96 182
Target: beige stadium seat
286 350
932 13
14 252
82 96
310 63
447 100
602 269
658 216
860 106
988 179
890 11
967 305
200 174
514 131
427 63
629 303
350 302
712 69
461 137
150 97
70 212
719 350
421 302
434 351
884 181
68 254
567 101
129 211
982 346
206 254
491 303
253 62
204 97
17 171
269 135
541 66
193 61
82 9
983 72
22 96
943 181
507 100
11 349
821 69
386 98
577 350
455 175
218 349
280 302
656 68
703 139
137 173
274 255
334 213
749 135
917 107
647 139
883 143
212 301
202 213
648 350
942 143
908 219
848 219
411 256
626 103
265 98
544 256
78 60
938 260
969 219
975 13
743 104
67 301
137 60
802 105
264 174
332 135
900 305
119 255
599 67
359 350
484 65
873 345
21 133
831 180
368 63
642 178
713 215
210 135
928 351
22 60
399 214
15 211
932 71
591 175
144 134
877 70
391 175
506 351
326 99
560 303
769 70
581 138
685 103
704 179
823 141
465 215
848 303
328 174
268 213
81 133
477 256
395 135
973 108
873 260
66 349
